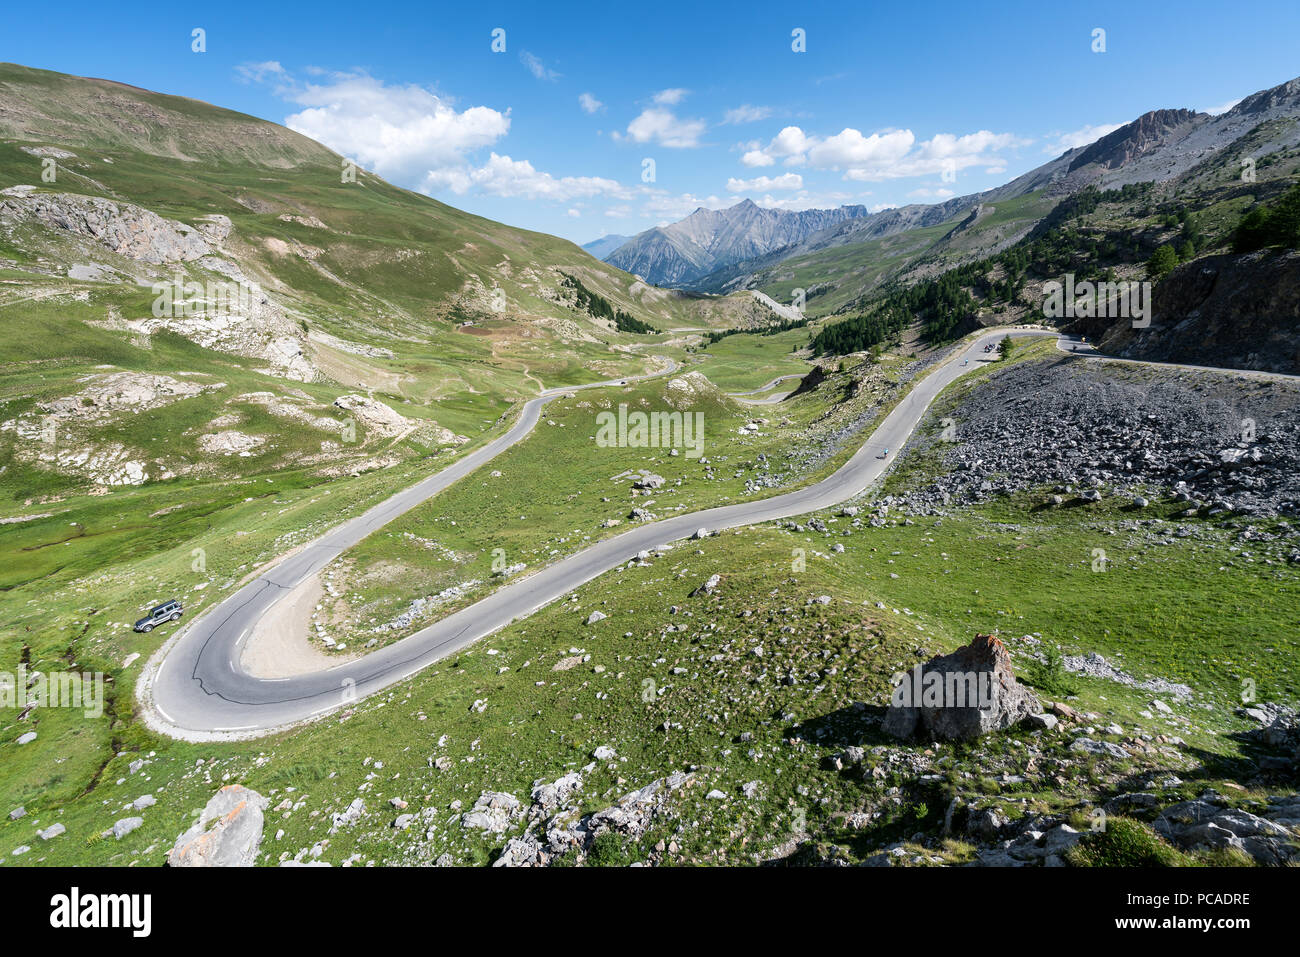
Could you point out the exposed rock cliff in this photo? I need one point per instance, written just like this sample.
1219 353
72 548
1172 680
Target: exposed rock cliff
1239 311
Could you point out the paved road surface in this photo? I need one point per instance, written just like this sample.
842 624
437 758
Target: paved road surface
768 400
198 687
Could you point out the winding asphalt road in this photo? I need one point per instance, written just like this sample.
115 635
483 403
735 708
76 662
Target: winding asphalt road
195 687
766 400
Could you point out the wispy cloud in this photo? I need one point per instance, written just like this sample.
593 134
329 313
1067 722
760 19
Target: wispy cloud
589 103
503 176
260 72
670 97
1058 143
1222 107
537 68
746 114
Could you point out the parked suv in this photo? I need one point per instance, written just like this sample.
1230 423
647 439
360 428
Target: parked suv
167 611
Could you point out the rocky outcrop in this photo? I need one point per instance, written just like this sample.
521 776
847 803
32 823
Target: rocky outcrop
230 442
374 416
55 435
1206 823
809 382
114 392
227 833
493 812
960 696
123 228
1209 823
1146 134
687 391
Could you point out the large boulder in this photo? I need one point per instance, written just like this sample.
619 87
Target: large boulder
960 696
227 833
493 812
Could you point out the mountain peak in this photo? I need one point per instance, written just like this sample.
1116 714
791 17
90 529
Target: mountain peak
708 240
1267 99
1146 133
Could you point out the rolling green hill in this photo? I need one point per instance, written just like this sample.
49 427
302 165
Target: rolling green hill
443 317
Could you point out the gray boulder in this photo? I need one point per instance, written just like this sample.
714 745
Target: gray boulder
960 696
125 826
708 587
227 833
492 812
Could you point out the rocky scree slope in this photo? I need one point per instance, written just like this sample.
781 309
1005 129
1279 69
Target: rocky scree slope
1217 443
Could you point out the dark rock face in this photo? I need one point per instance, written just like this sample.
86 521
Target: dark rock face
1238 311
1208 822
960 696
809 382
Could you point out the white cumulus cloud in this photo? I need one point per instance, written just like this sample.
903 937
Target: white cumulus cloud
657 125
762 183
397 131
888 154
503 176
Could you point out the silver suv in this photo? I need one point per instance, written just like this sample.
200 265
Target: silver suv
167 611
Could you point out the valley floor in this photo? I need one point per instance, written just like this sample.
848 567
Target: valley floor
740 722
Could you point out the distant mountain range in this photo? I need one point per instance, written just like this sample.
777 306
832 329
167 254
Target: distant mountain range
602 247
715 251
708 240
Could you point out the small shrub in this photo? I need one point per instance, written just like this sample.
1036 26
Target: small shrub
608 850
1125 843
1050 676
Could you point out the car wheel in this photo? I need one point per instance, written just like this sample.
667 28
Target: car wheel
175 617
147 628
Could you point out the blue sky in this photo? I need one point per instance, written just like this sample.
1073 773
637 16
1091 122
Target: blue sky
889 103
